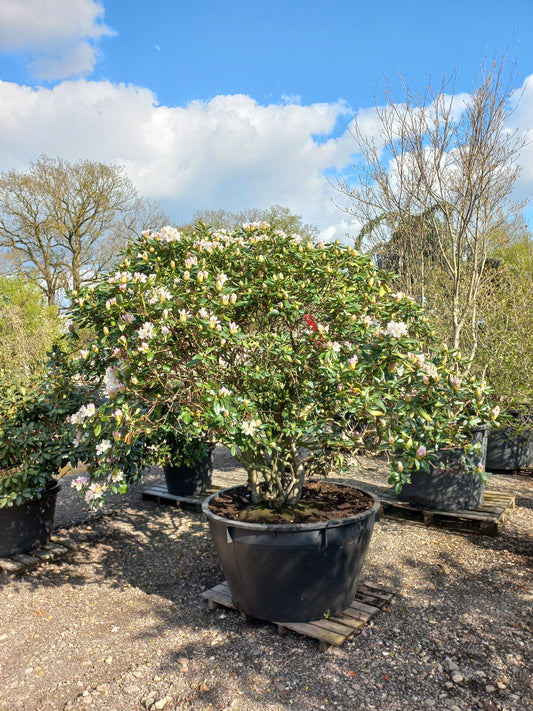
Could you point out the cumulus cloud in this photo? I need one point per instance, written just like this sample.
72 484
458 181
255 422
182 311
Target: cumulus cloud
230 152
523 120
57 38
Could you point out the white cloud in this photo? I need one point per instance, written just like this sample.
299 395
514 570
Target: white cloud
230 152
56 37
523 120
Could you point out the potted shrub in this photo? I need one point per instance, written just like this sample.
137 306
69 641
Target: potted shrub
35 443
504 353
449 484
187 463
292 353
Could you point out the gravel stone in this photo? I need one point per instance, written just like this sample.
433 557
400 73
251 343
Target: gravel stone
121 618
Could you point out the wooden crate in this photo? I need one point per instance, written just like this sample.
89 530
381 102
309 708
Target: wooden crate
487 520
49 553
330 631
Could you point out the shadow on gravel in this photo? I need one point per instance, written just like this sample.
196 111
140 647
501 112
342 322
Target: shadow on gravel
167 553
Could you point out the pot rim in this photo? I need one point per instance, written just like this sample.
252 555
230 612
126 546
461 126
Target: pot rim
290 527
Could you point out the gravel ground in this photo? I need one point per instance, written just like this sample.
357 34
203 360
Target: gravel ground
120 624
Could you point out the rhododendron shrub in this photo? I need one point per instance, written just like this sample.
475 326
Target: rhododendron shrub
293 353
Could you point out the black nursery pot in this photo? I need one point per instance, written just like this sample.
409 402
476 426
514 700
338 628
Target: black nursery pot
292 572
511 449
28 525
189 481
448 487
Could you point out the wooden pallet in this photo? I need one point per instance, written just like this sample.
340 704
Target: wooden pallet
487 520
49 553
331 631
160 495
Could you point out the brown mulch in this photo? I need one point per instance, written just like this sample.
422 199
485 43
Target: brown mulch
321 501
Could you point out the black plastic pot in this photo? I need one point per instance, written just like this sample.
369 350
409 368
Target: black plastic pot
448 487
511 449
28 525
292 572
189 481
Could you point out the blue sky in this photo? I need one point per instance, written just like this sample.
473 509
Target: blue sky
234 104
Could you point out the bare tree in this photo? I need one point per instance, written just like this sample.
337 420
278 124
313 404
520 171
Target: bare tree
277 216
432 185
64 222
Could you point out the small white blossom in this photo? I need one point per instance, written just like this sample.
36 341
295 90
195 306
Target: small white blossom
396 329
146 331
94 493
111 382
169 234
248 428
79 483
82 414
103 446
214 322
159 295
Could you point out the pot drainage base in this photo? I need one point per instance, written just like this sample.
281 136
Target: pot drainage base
160 495
333 631
49 553
487 520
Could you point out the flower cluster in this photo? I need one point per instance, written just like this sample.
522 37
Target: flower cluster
267 343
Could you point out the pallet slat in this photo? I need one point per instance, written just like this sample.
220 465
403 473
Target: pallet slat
49 552
330 631
485 520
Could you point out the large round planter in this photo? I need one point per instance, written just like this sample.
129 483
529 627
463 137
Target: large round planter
189 481
510 449
448 486
292 572
28 525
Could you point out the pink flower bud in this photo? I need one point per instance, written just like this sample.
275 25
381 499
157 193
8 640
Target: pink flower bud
421 452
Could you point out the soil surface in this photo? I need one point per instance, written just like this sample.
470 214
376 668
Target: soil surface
120 624
321 501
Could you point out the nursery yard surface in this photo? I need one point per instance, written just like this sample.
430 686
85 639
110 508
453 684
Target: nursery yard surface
120 625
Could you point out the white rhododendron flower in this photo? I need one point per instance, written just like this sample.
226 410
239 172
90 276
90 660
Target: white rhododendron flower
79 483
83 413
146 331
396 329
103 446
95 491
248 428
169 234
111 382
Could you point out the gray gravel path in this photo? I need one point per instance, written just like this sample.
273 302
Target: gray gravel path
120 625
